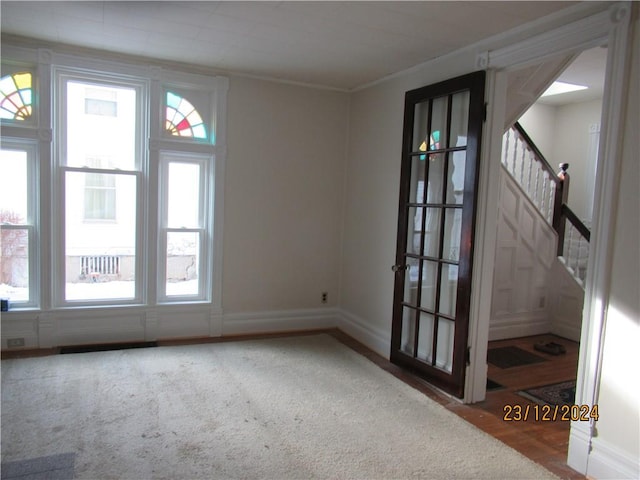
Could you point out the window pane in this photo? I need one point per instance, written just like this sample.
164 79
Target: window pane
14 242
14 264
184 195
99 196
183 256
16 96
100 255
101 123
13 192
182 118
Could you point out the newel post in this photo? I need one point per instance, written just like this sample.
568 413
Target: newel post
560 198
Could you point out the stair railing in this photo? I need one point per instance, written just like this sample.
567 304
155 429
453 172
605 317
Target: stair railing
549 192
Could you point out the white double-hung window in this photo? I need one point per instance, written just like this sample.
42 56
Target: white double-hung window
19 195
100 187
126 179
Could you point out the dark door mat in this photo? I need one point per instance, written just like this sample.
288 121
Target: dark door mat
106 347
507 357
53 467
491 385
563 393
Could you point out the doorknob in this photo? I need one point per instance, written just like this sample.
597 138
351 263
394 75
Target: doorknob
397 268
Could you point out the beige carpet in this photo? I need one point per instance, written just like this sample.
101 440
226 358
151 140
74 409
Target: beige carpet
296 407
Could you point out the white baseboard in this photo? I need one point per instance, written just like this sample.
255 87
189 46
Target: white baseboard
570 332
579 446
519 325
597 458
128 324
376 339
608 462
279 321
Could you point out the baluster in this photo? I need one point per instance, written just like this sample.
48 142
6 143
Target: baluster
545 181
568 249
515 153
531 160
535 191
552 193
587 252
505 157
524 152
578 270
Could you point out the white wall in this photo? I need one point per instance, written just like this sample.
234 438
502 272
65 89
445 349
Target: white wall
283 195
525 255
571 146
540 124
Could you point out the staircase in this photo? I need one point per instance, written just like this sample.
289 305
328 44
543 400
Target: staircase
549 192
542 249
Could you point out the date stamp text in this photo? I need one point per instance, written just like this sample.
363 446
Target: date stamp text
550 413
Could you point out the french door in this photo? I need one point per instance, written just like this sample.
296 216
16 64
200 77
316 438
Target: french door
439 177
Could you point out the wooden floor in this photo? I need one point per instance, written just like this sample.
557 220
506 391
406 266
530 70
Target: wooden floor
545 443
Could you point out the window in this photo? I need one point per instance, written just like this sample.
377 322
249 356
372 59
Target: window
17 222
100 158
16 94
183 223
128 163
182 119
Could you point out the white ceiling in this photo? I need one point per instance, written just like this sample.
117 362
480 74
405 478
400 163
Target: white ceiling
340 45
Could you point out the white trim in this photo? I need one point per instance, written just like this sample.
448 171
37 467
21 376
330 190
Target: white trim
278 321
598 281
607 461
359 329
580 35
580 445
519 325
485 238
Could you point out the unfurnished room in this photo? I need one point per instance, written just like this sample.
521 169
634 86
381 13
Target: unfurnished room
333 239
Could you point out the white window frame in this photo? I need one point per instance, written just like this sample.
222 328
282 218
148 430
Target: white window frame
62 76
30 147
204 230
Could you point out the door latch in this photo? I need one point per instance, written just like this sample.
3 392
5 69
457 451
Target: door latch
399 268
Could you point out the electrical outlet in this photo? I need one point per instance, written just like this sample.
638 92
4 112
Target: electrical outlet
325 297
15 342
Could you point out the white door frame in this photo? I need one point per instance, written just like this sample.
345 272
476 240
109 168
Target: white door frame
609 26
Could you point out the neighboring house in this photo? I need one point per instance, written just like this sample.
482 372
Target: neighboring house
310 185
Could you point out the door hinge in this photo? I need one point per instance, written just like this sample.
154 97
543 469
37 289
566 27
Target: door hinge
467 356
484 112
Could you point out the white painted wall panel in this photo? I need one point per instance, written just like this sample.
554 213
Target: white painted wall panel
525 252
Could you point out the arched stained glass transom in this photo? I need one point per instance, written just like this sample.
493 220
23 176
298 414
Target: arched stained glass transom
182 119
16 96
